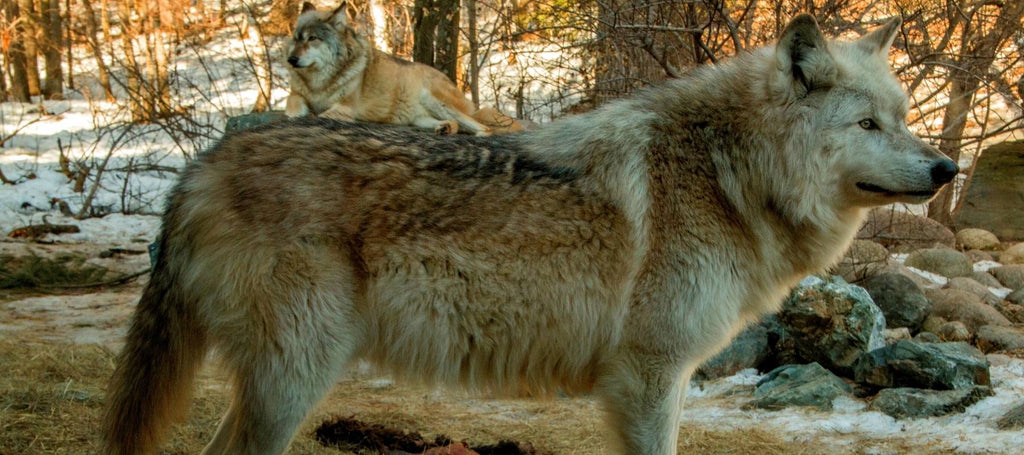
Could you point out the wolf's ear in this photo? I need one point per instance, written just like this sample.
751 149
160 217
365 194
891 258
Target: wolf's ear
802 58
880 40
339 17
307 7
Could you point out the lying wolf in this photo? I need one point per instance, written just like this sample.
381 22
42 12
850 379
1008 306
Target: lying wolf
609 253
336 73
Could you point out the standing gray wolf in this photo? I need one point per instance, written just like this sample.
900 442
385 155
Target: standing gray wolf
336 73
612 252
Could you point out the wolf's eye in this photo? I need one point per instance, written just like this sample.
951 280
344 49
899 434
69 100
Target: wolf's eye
868 124
312 38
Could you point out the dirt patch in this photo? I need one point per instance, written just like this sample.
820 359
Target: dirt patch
347 433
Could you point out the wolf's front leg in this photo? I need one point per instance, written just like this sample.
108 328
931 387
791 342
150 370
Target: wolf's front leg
643 395
296 106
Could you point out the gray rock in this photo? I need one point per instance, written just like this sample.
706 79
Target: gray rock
953 331
833 323
912 363
1016 297
1013 255
995 338
927 337
995 192
970 285
911 403
959 305
900 299
943 261
781 345
1013 419
249 121
799 385
986 279
976 239
1012 276
747 350
900 231
864 258
978 255
894 335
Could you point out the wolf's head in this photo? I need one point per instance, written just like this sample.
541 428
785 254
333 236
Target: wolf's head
846 94
321 38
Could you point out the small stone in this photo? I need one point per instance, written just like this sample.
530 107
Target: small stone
864 258
900 299
976 239
747 350
799 385
978 255
897 334
1013 255
1012 276
911 363
1012 420
932 323
960 305
986 279
1016 297
912 403
943 261
970 285
995 338
953 331
927 337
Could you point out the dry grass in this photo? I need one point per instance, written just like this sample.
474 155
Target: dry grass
51 397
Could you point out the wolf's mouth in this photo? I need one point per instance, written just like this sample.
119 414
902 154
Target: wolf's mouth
886 192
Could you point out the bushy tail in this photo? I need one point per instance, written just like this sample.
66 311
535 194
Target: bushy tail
152 384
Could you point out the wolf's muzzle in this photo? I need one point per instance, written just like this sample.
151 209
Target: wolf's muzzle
293 61
944 171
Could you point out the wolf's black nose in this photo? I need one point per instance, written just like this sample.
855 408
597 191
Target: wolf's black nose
944 171
293 61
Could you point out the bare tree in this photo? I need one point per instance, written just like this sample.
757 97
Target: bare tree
92 31
15 53
28 24
52 46
436 35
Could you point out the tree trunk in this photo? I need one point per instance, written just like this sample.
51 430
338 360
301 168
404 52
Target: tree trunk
30 43
133 82
53 28
69 44
977 56
261 64
474 54
19 71
92 30
436 35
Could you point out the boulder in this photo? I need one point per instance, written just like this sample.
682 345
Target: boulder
976 239
899 298
960 305
927 337
747 350
799 385
902 403
901 231
997 338
1013 255
833 323
995 191
863 259
915 364
943 261
932 323
1012 276
970 285
781 345
1012 311
1013 419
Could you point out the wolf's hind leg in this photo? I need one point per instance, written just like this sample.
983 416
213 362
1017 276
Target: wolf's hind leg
643 396
439 127
299 331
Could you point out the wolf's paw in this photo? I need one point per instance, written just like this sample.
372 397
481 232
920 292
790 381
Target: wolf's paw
447 128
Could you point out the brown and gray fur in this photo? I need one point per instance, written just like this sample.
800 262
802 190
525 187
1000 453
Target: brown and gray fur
336 73
608 253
